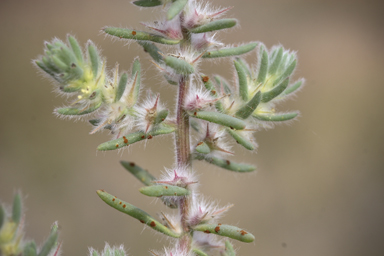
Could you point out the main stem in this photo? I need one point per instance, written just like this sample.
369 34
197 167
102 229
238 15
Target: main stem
183 154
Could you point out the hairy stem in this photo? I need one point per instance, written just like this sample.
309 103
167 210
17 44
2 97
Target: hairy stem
183 154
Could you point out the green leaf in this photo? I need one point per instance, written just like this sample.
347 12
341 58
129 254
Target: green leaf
147 3
220 118
276 62
228 165
76 48
276 91
198 252
59 63
17 208
241 140
227 231
210 87
136 68
76 111
176 7
222 82
135 137
229 251
152 50
215 25
138 35
121 87
203 148
276 117
293 87
179 65
231 51
245 66
243 83
146 178
245 111
30 249
2 216
41 65
289 70
50 244
94 58
164 190
142 175
161 116
136 213
263 66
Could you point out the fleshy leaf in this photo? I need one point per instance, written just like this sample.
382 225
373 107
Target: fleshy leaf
121 87
227 231
276 117
179 65
276 91
263 66
161 116
241 140
176 7
243 83
276 61
135 137
231 51
142 175
146 178
229 251
220 118
164 190
138 35
76 111
76 49
136 213
210 87
152 50
94 58
288 71
227 164
17 208
214 25
202 148
51 242
198 252
30 249
293 88
245 111
147 3
2 216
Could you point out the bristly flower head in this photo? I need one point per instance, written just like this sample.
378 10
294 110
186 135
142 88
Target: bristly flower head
167 28
200 12
149 112
182 177
109 251
205 211
198 99
177 250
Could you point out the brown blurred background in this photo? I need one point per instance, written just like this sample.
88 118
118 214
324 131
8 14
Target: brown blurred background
319 188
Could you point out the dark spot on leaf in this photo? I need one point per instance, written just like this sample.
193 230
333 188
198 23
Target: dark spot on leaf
217 229
242 232
132 164
153 224
207 231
